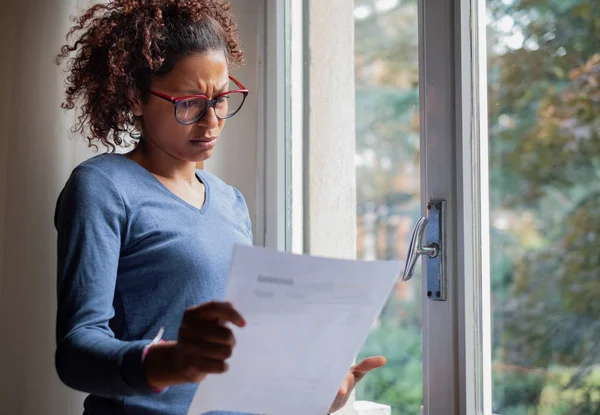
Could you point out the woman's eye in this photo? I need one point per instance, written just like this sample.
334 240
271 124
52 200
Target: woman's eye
190 103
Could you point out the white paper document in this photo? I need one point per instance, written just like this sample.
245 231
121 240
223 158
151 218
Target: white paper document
307 319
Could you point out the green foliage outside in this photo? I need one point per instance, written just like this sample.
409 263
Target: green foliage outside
544 123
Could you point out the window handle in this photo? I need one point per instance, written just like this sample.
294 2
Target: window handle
416 249
428 240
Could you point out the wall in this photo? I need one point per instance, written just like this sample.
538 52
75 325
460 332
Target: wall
7 38
235 159
330 130
36 157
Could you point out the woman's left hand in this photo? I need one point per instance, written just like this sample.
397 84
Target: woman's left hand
356 373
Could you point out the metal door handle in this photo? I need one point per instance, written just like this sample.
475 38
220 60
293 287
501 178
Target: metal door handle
416 249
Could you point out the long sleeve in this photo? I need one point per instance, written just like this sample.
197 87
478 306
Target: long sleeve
244 212
91 221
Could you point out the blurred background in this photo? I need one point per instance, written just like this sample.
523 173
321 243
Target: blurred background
544 143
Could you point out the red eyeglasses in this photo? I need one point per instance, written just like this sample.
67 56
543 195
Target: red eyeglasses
191 108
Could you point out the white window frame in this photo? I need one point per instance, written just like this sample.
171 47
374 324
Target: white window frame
454 167
475 359
272 144
280 142
453 100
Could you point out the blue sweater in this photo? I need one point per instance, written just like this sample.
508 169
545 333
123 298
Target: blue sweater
132 256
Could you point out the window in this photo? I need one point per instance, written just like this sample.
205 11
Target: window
388 185
365 178
492 106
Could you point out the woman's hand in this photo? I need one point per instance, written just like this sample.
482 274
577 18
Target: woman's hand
356 373
203 346
204 343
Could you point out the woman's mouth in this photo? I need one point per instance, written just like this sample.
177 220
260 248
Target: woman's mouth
205 143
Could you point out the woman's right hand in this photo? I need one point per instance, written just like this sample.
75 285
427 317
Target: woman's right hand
204 344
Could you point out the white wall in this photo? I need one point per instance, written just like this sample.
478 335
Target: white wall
36 157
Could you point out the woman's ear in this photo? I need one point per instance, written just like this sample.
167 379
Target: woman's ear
136 107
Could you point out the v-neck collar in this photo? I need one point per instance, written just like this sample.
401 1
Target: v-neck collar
165 189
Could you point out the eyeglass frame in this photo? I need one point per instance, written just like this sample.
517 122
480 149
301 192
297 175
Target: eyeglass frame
210 103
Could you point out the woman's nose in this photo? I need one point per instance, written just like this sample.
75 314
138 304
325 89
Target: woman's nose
209 119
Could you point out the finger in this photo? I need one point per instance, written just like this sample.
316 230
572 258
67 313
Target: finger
205 365
367 365
347 385
219 311
195 366
212 333
203 349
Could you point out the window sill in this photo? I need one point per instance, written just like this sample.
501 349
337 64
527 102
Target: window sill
371 408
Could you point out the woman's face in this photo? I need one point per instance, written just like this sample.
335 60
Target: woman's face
201 74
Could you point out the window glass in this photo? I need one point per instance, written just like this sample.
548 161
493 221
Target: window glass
544 126
388 189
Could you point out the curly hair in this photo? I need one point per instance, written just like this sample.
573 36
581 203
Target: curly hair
121 45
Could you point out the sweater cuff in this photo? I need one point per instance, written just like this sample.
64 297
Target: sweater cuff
133 371
157 390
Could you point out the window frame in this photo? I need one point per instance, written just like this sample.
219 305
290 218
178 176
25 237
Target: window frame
475 338
454 167
274 147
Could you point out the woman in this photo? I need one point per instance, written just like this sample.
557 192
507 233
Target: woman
144 239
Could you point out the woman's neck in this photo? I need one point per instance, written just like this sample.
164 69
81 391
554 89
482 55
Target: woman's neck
159 163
